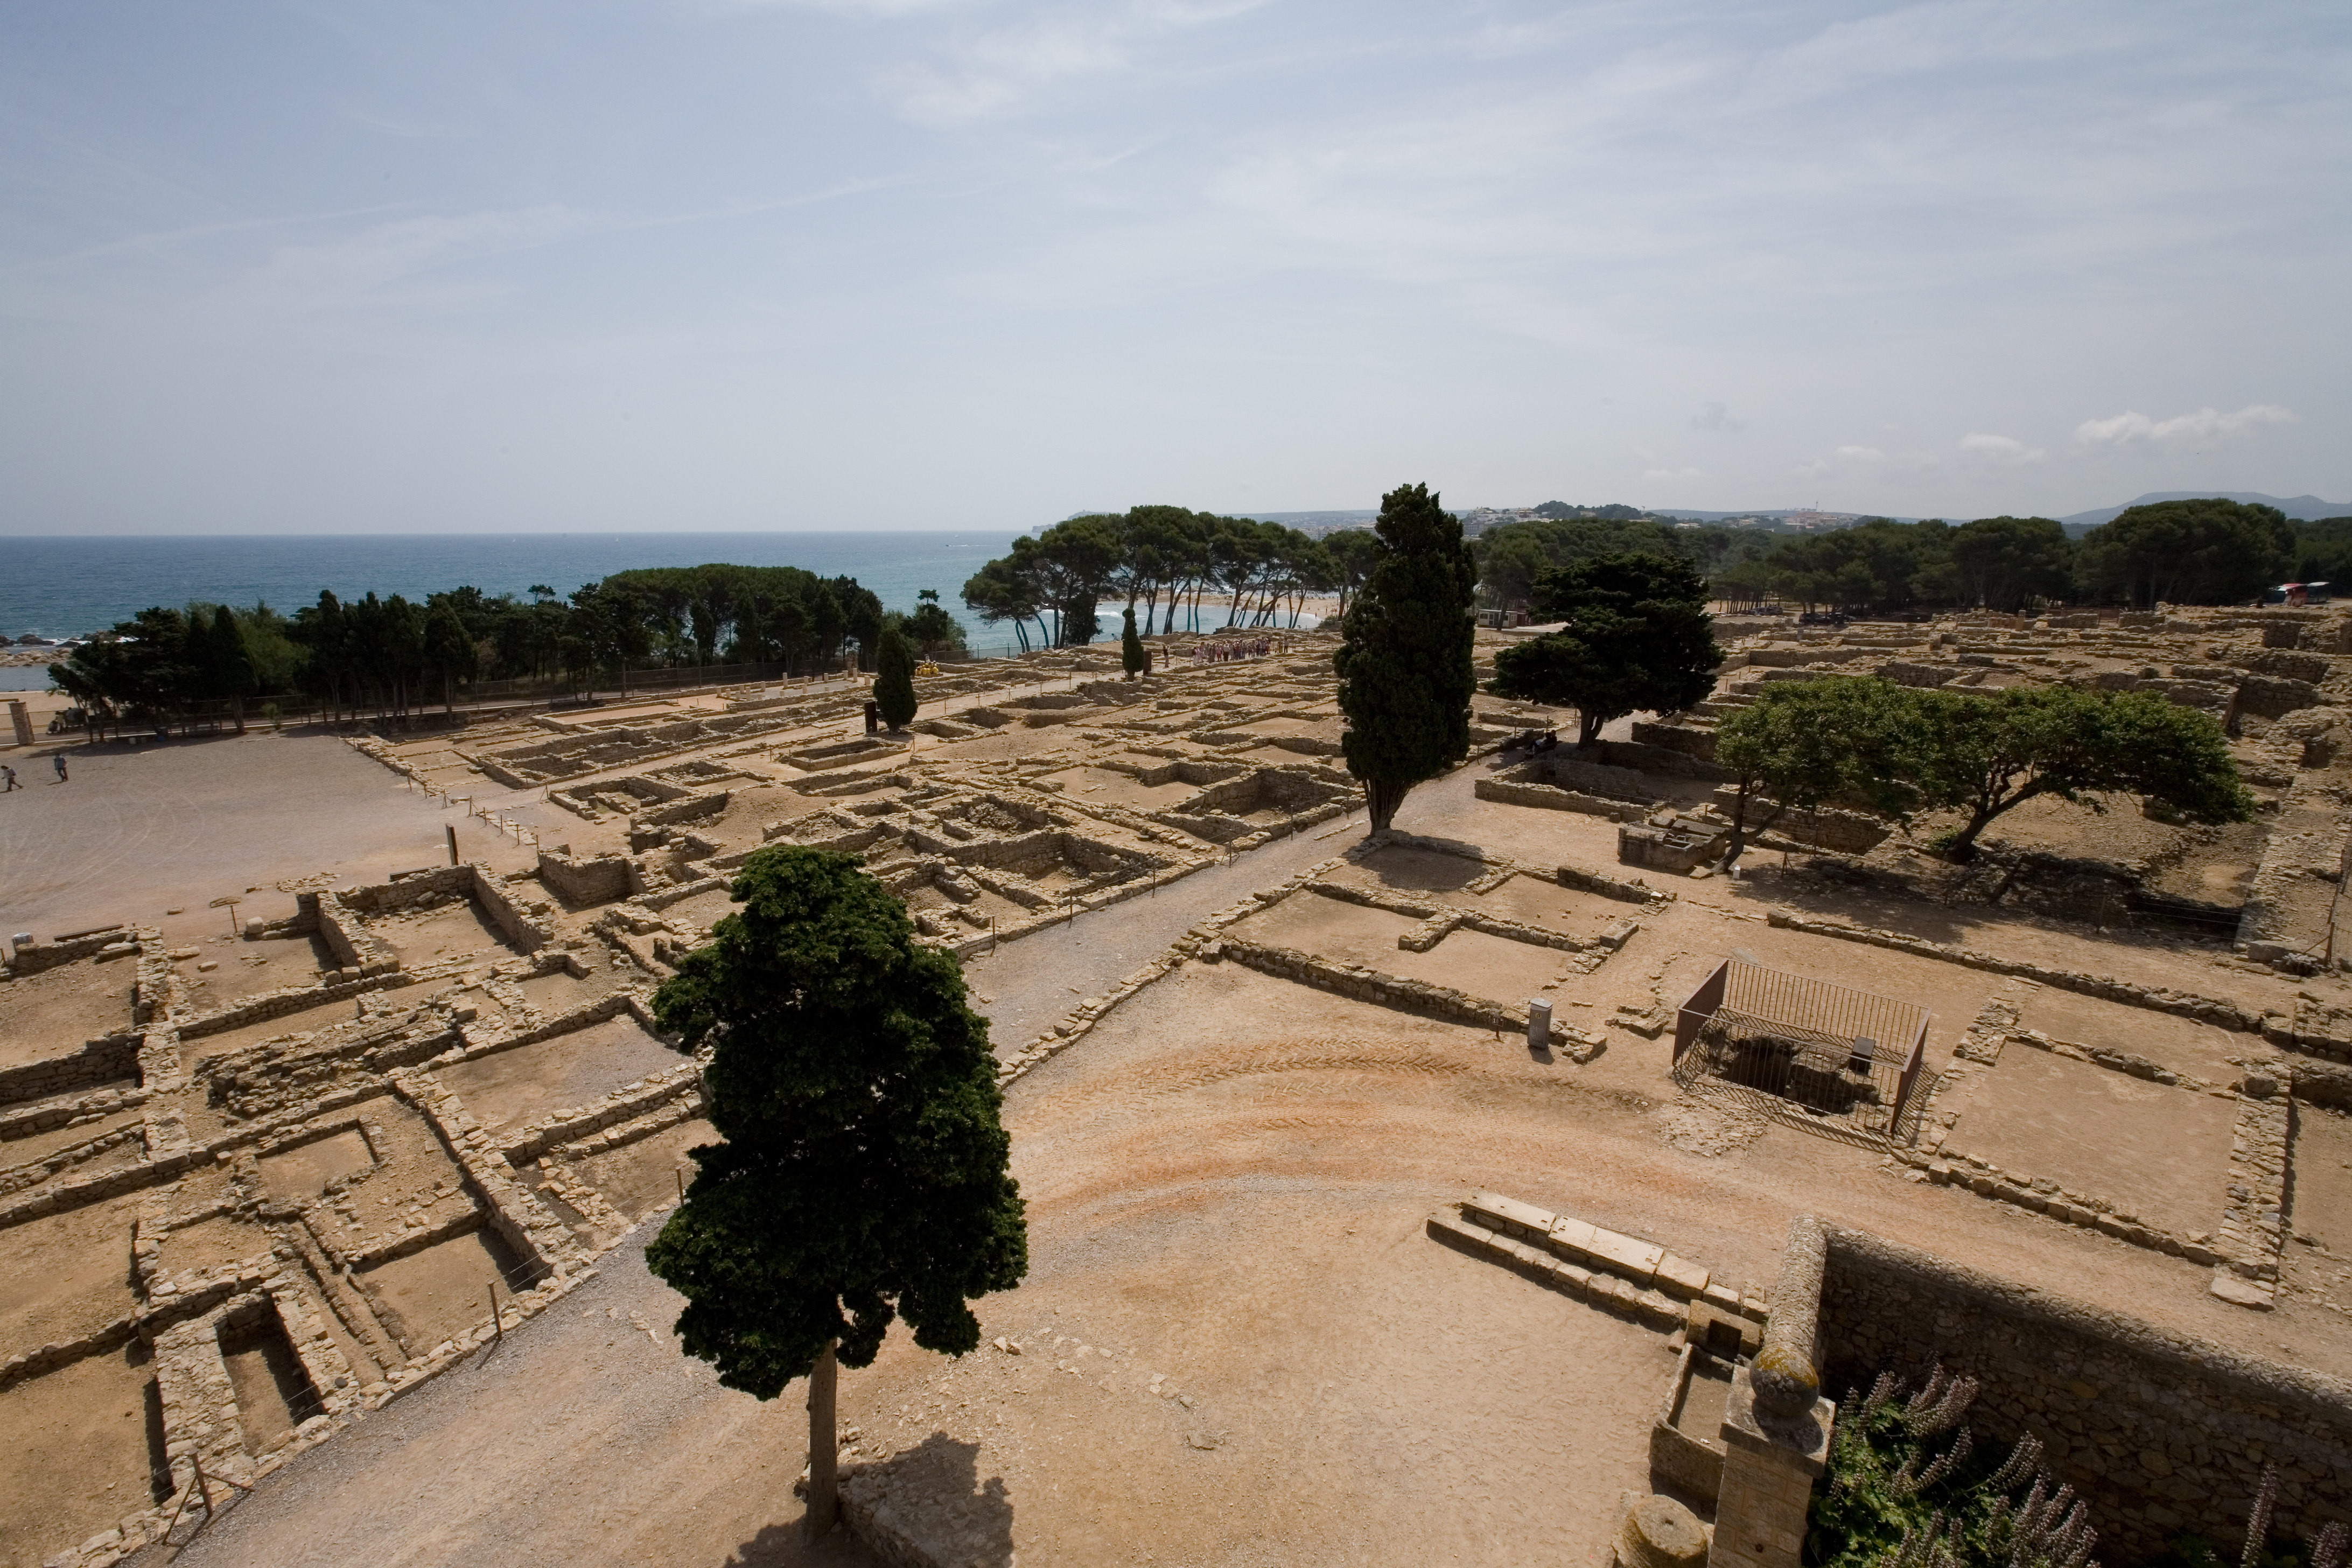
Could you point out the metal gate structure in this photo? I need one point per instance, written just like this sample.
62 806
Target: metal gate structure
1845 1058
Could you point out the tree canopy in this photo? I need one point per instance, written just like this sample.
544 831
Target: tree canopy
1638 639
1141 556
392 654
894 683
1902 750
2187 552
863 1172
1405 659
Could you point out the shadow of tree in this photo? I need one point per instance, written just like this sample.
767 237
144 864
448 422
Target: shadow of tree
785 1545
931 1494
1451 865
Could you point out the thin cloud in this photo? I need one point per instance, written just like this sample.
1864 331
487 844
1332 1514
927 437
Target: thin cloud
1715 416
2006 452
996 72
2202 425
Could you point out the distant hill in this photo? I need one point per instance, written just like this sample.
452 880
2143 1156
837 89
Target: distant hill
2307 509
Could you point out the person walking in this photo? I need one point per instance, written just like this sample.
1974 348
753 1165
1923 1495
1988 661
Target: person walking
8 774
61 759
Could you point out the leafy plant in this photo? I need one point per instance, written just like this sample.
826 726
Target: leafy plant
1908 1487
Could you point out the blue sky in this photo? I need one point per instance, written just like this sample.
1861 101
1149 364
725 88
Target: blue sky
644 264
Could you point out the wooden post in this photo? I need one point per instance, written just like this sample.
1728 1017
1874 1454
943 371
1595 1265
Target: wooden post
824 1447
497 1328
450 830
680 1174
204 1487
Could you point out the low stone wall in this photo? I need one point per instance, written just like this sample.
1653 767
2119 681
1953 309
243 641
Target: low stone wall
598 880
2159 1432
293 999
33 957
1688 740
2181 1004
2286 915
353 945
546 1242
1665 849
692 808
1625 890
524 932
1380 990
1550 797
104 1060
1846 832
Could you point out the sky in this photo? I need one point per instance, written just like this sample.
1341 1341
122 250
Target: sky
895 264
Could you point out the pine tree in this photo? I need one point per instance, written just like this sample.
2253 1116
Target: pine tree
893 682
1405 677
1638 640
1131 657
864 1175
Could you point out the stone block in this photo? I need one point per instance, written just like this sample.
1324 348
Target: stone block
1459 1234
1680 1278
1569 1280
1571 1237
1635 1260
1510 1214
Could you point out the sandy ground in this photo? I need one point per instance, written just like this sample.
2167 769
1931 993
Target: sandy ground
1236 1344
143 830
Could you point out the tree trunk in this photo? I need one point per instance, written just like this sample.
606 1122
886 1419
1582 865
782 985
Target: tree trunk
824 1449
1383 797
1588 728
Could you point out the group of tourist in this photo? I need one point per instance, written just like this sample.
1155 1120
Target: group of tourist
8 775
1535 743
1226 652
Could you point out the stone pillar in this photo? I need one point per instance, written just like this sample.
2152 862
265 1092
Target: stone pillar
1538 1025
1770 1465
21 721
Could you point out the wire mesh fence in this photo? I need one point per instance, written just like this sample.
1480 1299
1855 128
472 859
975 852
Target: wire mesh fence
1840 1055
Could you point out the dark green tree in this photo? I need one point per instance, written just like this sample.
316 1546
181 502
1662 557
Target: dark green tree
1841 740
1404 660
1350 551
864 1172
1131 657
228 671
1638 640
1988 755
932 629
449 655
2006 563
893 682
2187 552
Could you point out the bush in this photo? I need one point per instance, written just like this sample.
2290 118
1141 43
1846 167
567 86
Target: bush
1907 1488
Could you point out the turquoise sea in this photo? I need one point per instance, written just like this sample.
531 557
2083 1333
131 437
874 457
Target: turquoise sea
63 587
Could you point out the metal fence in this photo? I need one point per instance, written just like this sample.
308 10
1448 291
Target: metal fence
1841 1057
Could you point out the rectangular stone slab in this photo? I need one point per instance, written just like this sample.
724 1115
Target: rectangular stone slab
1680 1278
1518 1218
1621 1254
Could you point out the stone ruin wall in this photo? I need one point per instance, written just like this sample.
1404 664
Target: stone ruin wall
2160 1432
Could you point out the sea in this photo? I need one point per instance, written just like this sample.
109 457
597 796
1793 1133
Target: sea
60 587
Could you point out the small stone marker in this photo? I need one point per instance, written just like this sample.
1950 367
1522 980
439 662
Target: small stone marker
1659 1533
1538 1024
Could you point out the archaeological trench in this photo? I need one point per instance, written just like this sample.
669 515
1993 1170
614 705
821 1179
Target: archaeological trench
254 1190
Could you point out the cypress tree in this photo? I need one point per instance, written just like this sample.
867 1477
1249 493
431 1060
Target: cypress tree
231 667
1131 646
1405 677
864 1175
894 682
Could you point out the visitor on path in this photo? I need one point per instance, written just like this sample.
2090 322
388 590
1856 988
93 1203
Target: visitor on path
10 774
61 759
